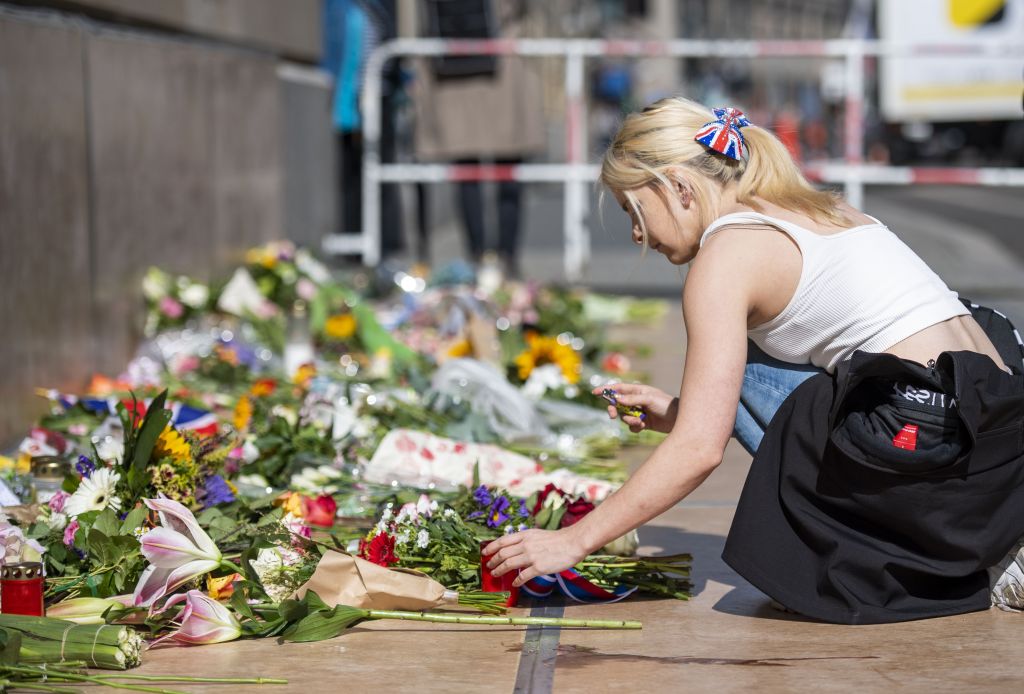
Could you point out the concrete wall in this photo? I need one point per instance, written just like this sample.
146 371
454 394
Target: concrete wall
286 27
45 270
120 150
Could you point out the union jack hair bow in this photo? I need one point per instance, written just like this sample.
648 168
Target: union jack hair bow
573 586
723 134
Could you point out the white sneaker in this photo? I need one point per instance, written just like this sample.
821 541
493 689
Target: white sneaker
1007 580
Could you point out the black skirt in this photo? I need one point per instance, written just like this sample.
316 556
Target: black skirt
884 492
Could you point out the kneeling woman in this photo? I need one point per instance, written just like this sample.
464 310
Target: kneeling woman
891 477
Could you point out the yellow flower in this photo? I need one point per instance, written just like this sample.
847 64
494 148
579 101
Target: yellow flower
24 464
171 444
243 413
261 256
6 463
340 326
223 587
304 375
291 502
542 350
462 348
226 354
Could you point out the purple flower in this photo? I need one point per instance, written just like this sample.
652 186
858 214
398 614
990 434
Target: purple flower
482 496
498 513
84 466
217 492
523 512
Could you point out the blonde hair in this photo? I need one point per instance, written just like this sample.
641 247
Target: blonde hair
660 137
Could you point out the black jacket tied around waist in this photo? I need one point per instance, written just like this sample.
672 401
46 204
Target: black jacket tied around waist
884 492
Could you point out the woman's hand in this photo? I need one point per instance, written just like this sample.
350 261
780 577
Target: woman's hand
534 553
659 407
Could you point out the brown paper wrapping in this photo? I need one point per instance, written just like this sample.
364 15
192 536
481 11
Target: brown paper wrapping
342 579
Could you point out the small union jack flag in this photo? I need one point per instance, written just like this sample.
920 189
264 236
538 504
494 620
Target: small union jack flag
723 135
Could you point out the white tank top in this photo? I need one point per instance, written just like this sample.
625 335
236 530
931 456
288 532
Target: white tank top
859 289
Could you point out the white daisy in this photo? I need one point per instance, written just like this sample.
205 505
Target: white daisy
422 539
94 493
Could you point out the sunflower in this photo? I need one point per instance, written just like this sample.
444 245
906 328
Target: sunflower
94 493
542 350
340 326
243 413
171 444
462 348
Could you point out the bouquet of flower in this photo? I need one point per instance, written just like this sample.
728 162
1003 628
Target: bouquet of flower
172 301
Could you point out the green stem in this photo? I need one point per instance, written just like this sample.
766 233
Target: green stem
231 566
62 675
211 680
503 621
14 684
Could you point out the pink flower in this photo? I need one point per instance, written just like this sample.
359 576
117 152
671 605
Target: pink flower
69 532
57 501
178 552
305 289
295 526
203 620
267 309
171 308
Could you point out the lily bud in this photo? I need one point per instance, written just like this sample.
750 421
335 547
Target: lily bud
203 620
83 610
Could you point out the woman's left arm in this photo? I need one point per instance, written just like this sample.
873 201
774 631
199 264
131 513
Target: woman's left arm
715 309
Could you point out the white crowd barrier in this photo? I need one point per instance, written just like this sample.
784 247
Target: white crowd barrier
575 173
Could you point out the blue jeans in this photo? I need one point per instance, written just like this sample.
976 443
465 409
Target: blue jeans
766 383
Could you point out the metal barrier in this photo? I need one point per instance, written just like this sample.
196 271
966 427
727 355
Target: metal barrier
576 173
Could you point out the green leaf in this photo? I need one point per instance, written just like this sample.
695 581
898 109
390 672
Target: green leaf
315 602
134 519
240 604
324 624
107 522
293 610
101 548
153 424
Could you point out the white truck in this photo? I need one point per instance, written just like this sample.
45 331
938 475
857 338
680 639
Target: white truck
953 107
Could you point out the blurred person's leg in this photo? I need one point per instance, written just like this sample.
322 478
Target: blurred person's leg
350 181
509 199
392 240
472 205
422 224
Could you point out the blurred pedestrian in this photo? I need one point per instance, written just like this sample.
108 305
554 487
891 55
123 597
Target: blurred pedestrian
352 29
480 109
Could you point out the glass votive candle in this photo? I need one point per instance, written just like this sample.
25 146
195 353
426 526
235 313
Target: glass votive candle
48 472
497 584
21 589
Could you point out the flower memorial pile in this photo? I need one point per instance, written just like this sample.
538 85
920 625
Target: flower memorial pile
207 485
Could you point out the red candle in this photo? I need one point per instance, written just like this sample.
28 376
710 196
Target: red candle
21 589
497 584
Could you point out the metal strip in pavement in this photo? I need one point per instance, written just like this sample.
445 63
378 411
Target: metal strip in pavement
536 674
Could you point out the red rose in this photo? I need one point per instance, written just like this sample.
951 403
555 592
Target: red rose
380 550
319 511
575 511
543 495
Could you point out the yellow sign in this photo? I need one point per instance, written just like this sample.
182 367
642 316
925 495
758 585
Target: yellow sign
972 13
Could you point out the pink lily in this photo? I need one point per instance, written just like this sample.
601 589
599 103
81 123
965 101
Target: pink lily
178 552
203 620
